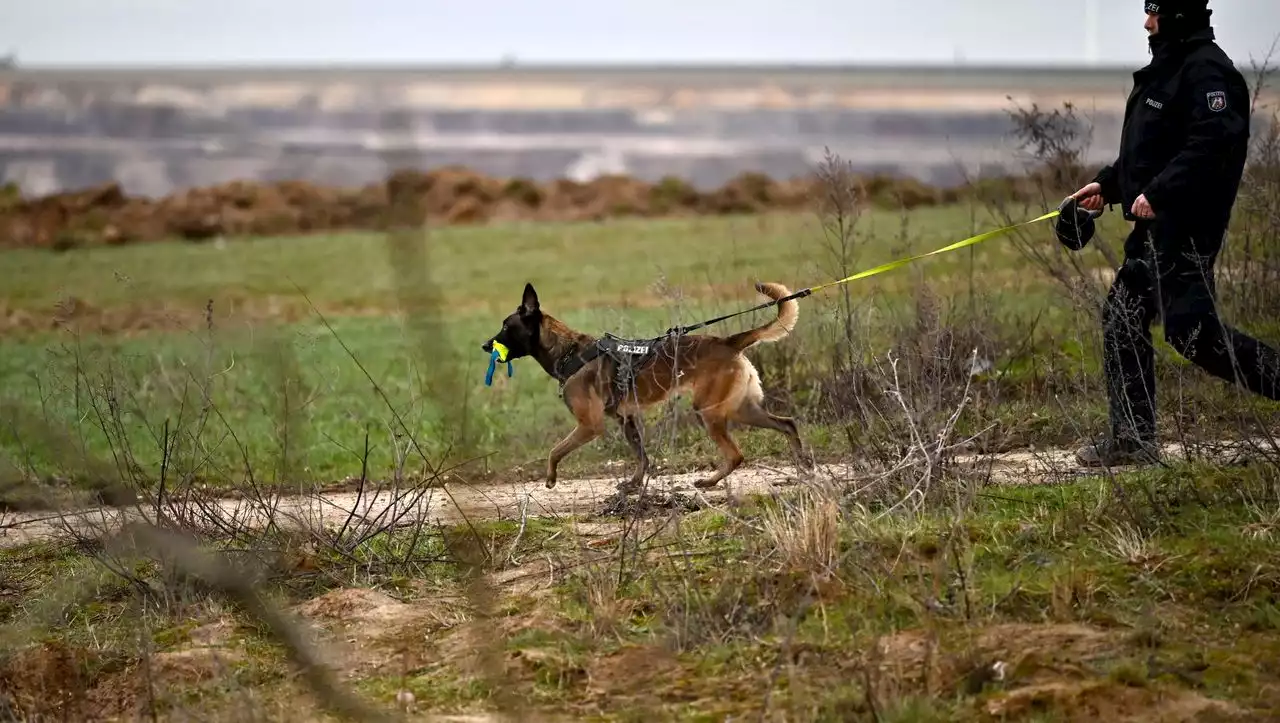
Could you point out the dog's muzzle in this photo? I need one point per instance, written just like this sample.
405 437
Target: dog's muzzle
494 346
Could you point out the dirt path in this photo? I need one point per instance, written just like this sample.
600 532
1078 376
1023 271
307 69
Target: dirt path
459 502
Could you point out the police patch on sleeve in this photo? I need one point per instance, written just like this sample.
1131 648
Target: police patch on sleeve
1217 100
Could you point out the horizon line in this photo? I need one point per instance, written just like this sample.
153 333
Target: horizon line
516 65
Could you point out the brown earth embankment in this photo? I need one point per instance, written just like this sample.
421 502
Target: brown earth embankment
106 215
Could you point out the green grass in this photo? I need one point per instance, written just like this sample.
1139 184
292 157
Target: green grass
1120 594
1130 595
398 345
576 264
1168 570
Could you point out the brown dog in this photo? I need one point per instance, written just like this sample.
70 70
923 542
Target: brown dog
724 384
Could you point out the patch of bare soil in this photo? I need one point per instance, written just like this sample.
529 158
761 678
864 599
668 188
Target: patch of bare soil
529 579
367 632
220 632
649 504
915 658
55 681
631 673
1038 669
77 315
82 317
1107 701
208 655
193 666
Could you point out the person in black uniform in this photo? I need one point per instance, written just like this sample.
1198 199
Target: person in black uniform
1182 155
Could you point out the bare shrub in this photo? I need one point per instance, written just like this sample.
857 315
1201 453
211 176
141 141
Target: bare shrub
805 532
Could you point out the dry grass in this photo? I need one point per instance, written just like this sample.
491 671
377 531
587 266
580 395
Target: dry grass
910 589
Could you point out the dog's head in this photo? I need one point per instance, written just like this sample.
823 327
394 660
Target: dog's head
520 331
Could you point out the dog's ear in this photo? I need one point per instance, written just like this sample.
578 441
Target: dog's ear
529 304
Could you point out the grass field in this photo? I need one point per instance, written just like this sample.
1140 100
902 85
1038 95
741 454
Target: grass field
928 594
1151 597
307 325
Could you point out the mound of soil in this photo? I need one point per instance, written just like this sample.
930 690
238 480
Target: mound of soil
1037 669
367 632
453 195
53 681
650 504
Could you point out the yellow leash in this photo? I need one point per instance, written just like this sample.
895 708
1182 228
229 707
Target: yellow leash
501 354
972 240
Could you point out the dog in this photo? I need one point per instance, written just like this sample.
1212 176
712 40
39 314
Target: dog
725 386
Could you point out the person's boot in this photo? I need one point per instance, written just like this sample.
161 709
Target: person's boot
1118 452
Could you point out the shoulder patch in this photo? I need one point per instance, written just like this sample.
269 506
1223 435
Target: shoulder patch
1217 100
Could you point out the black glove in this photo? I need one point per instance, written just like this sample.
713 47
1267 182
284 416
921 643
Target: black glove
1074 226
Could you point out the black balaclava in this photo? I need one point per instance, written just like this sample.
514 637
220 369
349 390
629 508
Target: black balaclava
1179 19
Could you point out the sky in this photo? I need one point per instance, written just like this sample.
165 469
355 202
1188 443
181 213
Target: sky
305 32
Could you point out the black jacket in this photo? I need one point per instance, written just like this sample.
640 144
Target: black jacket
1185 137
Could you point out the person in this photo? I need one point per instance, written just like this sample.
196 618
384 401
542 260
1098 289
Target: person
1182 155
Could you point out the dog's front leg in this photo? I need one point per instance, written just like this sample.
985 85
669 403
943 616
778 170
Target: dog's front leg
580 435
633 431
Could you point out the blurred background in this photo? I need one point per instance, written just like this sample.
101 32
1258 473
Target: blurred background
166 95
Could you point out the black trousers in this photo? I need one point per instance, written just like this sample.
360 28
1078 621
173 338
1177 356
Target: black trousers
1168 274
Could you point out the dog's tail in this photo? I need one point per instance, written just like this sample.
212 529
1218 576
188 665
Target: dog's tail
776 330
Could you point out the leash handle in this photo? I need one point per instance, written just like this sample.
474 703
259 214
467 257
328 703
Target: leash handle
1073 203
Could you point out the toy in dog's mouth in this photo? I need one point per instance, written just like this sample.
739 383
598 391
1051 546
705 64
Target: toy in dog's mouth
497 354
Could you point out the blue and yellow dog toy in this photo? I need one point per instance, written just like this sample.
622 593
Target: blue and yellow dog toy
499 354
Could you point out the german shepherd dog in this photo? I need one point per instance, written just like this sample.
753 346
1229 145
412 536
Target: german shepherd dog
725 386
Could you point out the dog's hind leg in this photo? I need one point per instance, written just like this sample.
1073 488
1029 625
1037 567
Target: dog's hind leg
750 412
718 427
633 432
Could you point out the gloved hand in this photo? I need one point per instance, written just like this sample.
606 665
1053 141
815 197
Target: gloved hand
1075 227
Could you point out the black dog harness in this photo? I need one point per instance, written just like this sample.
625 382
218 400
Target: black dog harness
629 357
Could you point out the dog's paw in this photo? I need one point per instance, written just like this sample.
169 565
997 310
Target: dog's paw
550 483
706 484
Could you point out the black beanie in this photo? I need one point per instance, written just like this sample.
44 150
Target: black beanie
1179 18
1172 8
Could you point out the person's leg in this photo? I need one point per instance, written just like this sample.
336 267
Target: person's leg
1194 329
1128 365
